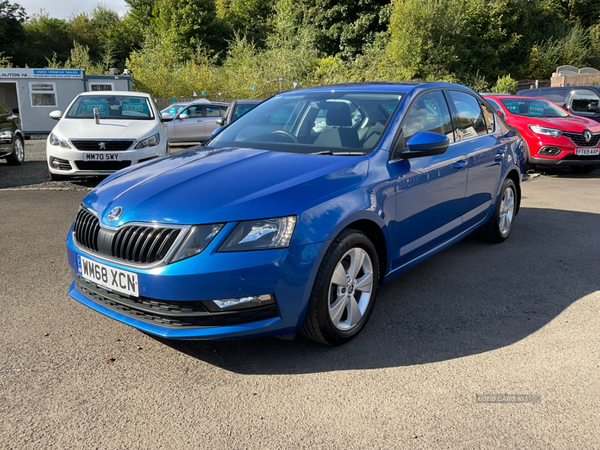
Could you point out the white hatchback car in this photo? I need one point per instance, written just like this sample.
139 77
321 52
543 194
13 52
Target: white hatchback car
102 132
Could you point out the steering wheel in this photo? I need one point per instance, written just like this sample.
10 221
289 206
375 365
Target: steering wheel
290 136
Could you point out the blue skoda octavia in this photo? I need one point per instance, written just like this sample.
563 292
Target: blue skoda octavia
290 218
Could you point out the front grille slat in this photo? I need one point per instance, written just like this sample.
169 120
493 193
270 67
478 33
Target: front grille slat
94 145
147 241
579 140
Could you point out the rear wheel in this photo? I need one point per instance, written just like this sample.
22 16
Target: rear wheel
584 168
498 228
17 157
344 291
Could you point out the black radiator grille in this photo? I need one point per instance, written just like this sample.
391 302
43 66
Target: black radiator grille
94 146
139 244
143 244
579 140
102 165
86 229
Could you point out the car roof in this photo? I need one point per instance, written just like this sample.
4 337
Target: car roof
108 93
380 86
248 101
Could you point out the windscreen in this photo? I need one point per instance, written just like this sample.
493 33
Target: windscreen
328 122
111 107
533 107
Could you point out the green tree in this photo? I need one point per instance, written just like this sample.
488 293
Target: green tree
250 19
12 34
45 36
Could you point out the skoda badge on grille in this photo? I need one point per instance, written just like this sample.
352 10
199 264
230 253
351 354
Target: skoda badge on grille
587 136
102 145
115 213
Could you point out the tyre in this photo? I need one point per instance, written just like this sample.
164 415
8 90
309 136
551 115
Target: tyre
498 228
17 157
583 168
344 291
56 177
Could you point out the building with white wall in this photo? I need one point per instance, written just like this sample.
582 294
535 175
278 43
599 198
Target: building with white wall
34 93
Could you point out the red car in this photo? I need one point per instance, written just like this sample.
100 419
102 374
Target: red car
554 137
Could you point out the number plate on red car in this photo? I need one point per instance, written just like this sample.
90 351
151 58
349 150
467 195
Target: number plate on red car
587 151
108 277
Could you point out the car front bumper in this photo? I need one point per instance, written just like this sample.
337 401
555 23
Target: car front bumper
78 167
183 287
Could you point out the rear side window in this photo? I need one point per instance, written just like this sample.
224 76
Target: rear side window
581 99
469 121
428 113
490 119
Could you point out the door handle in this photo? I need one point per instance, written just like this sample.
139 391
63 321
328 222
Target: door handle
461 164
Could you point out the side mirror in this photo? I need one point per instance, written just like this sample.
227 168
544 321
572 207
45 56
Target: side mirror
593 108
183 116
15 111
424 143
166 117
501 113
221 121
56 115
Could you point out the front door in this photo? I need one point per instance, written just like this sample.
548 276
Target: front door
191 128
431 189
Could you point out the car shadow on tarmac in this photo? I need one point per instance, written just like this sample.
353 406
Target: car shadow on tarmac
471 298
34 175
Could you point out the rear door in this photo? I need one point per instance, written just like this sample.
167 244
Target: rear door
431 189
212 113
484 151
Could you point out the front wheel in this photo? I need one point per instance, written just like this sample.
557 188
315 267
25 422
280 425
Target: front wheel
498 228
344 291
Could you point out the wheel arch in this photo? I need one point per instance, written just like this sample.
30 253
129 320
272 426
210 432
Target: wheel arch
513 174
373 231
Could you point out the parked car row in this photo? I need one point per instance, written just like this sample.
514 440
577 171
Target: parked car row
101 133
11 136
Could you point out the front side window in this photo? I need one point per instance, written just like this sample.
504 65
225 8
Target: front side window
43 94
240 110
533 107
335 121
469 121
428 113
582 98
111 106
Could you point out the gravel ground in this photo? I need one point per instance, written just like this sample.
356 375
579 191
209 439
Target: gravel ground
516 318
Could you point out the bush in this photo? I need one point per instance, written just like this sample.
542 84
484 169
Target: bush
505 85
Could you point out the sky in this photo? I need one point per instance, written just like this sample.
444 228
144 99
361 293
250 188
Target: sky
63 9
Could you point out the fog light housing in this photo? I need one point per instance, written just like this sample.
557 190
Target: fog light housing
60 164
233 304
549 151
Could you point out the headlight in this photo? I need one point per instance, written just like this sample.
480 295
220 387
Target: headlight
197 240
260 235
152 141
545 130
57 142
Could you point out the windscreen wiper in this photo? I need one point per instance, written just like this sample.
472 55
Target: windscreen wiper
329 152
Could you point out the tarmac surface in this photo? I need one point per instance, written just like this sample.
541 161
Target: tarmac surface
517 322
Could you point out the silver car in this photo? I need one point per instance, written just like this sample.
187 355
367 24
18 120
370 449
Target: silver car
196 121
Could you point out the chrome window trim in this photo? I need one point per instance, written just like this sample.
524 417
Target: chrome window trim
163 262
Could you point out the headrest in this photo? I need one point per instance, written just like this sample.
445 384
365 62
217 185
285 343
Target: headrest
338 114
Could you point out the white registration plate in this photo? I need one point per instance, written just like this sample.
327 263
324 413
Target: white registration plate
108 277
587 151
102 156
